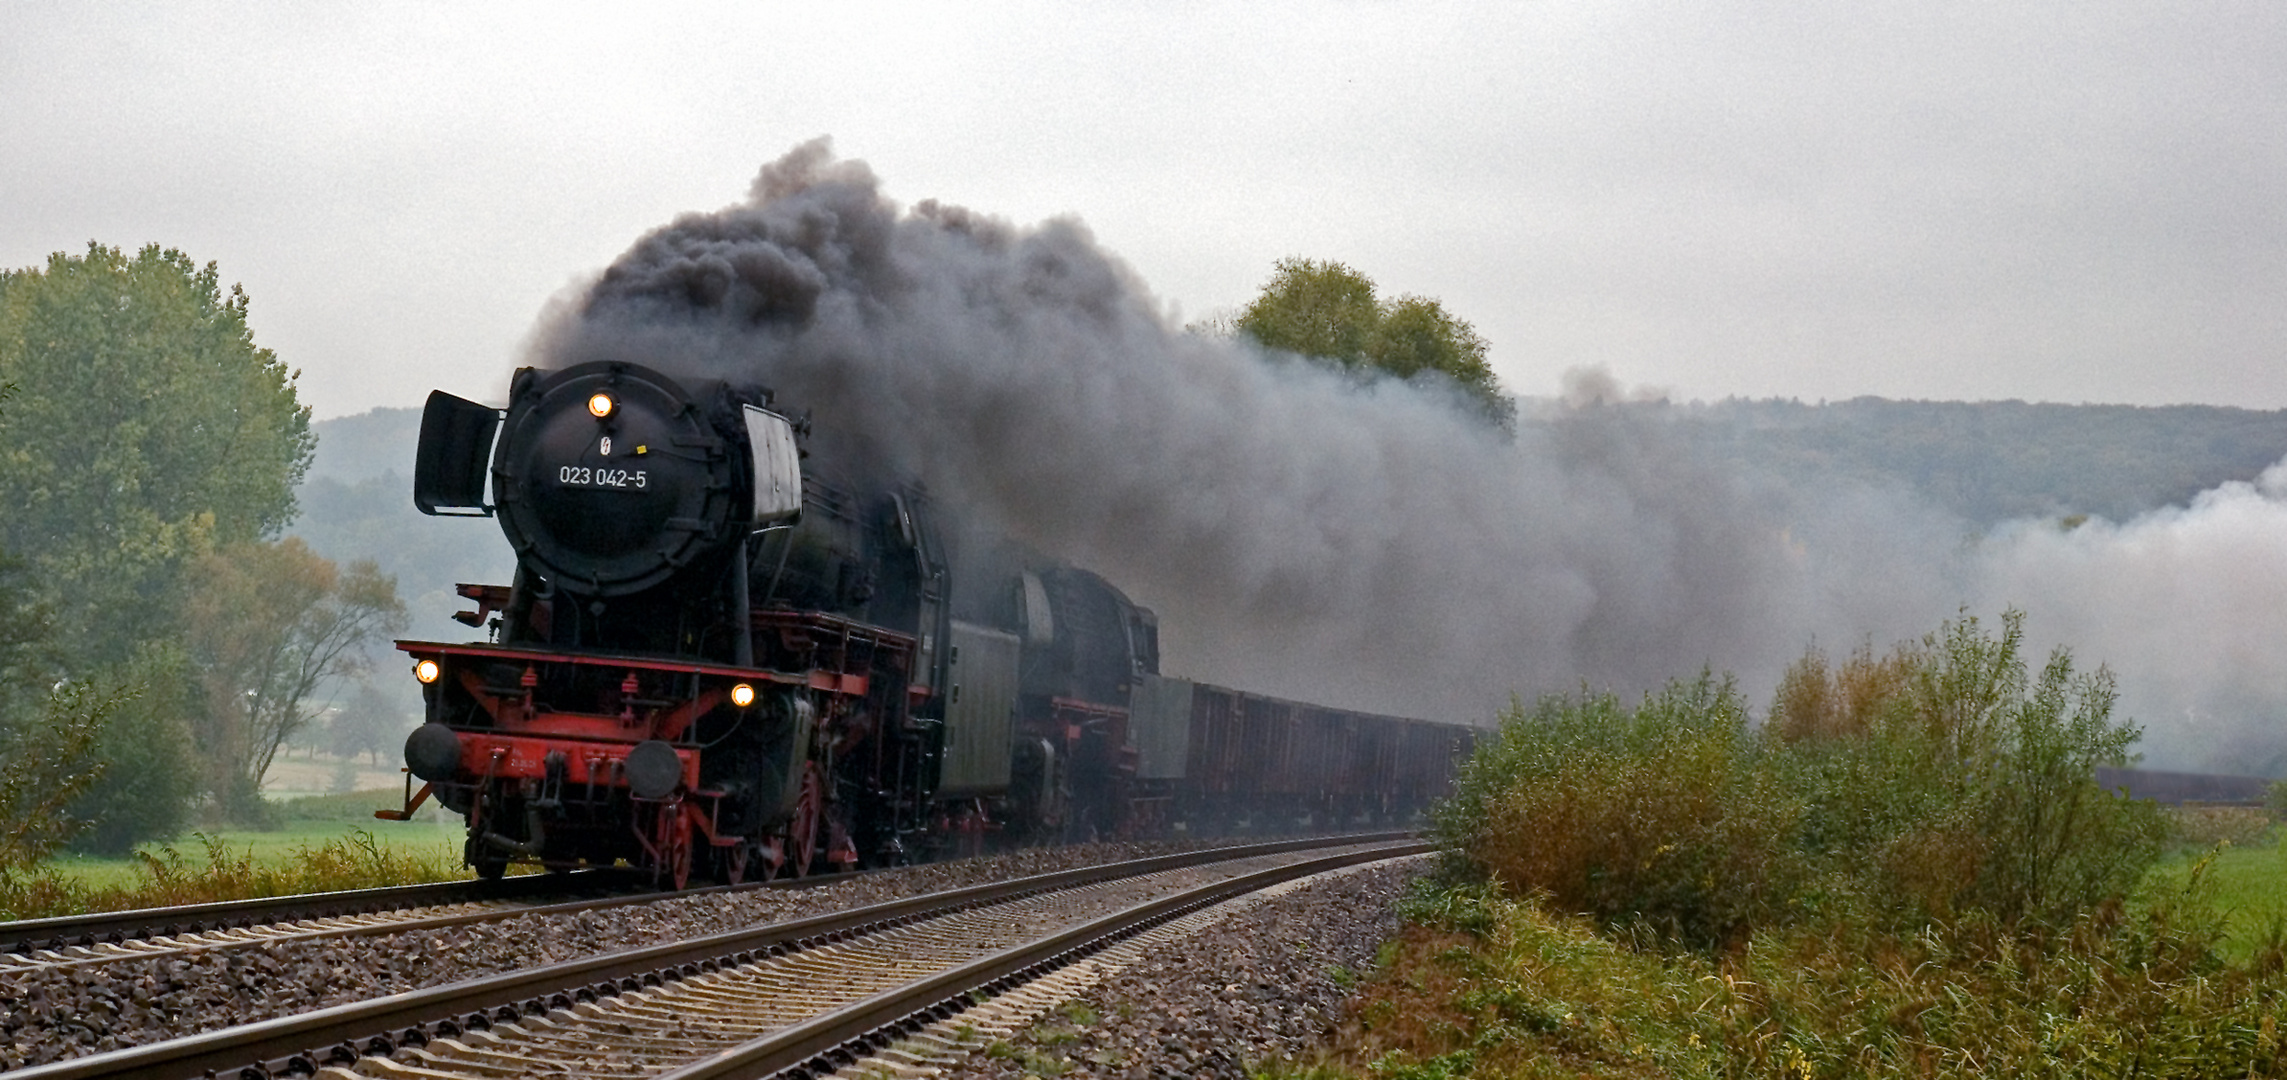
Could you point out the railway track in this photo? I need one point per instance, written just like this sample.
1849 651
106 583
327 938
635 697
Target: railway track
813 994
118 927
107 937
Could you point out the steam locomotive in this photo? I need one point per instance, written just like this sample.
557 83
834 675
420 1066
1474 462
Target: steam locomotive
717 656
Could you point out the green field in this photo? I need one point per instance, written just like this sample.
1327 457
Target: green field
426 839
306 825
2246 884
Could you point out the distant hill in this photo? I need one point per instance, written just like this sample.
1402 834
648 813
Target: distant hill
364 446
357 503
1996 460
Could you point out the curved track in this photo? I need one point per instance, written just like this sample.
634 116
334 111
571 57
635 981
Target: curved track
750 1002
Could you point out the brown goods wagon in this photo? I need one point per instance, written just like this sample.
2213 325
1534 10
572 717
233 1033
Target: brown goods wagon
1322 743
1240 742
1215 755
1269 743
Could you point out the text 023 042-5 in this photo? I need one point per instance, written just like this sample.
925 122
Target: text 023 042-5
583 476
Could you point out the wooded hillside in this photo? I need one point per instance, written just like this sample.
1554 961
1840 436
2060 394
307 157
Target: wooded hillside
1994 460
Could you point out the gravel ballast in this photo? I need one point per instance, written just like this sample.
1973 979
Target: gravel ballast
53 1014
1267 983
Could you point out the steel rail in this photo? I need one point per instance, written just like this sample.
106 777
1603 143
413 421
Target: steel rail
31 935
840 1038
305 1042
614 886
275 932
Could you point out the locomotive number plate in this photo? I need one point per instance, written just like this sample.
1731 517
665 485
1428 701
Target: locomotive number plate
583 476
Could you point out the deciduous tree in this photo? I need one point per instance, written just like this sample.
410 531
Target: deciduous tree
369 723
147 428
143 428
150 776
1330 311
272 624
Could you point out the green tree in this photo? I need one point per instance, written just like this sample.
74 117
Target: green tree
370 723
1329 311
147 428
28 660
143 428
272 625
29 665
48 731
149 774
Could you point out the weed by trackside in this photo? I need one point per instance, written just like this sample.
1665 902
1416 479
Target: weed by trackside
169 877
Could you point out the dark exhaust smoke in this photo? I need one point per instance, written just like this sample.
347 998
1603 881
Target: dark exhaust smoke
1299 534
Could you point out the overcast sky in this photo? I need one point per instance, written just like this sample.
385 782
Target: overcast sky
2080 201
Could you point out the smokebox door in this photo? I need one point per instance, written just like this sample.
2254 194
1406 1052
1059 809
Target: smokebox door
456 443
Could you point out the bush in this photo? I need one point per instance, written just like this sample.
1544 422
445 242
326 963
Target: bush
1662 816
46 763
1909 865
1939 780
1950 780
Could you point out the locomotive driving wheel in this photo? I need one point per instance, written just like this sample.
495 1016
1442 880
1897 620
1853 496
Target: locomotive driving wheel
671 847
730 863
477 852
488 866
809 813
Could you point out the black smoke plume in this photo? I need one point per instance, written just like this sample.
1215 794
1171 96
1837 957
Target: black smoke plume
1298 533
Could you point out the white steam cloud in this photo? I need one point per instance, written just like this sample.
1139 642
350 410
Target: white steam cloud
1299 534
2187 605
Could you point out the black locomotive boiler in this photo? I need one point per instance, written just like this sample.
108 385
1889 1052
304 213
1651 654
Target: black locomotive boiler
715 656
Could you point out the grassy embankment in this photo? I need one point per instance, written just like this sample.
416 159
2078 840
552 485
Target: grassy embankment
1907 871
325 843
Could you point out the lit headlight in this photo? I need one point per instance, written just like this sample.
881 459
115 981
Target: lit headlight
427 671
742 695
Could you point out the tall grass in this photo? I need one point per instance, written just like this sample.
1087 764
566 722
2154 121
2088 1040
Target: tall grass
217 873
1488 985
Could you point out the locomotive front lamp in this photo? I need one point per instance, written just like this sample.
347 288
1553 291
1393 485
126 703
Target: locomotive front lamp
600 405
742 695
427 671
